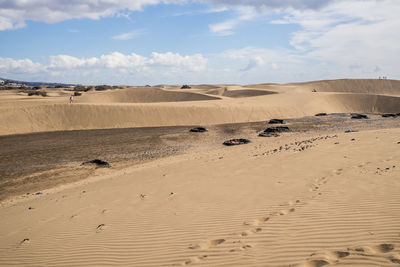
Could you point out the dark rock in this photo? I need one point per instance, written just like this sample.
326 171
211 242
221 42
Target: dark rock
388 115
99 163
278 129
358 116
235 142
263 134
198 130
320 114
350 131
276 121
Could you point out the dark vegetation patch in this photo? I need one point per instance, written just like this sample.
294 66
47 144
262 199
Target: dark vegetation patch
34 92
277 129
198 130
263 134
99 163
276 121
81 88
357 116
390 115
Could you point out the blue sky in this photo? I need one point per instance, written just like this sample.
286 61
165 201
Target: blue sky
202 41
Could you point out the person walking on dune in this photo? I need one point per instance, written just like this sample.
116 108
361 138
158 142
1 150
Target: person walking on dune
71 99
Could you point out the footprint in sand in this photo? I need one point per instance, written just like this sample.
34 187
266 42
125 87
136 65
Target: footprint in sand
383 248
316 263
338 171
379 249
245 247
251 231
100 227
256 230
333 257
292 203
194 260
257 221
24 241
287 211
241 248
326 258
208 244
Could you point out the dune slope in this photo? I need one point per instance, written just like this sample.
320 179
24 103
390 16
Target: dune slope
331 204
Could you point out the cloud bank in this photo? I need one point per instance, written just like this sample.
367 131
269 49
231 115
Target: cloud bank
15 13
114 63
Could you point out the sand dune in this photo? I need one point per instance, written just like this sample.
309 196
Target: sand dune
223 207
363 86
316 196
135 107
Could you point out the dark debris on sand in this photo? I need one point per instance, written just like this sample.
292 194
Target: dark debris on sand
321 114
235 142
99 163
198 130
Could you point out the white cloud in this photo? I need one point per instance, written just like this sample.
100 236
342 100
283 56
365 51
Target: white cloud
253 58
274 4
108 65
128 35
194 62
254 62
333 39
15 13
242 13
21 66
351 33
223 28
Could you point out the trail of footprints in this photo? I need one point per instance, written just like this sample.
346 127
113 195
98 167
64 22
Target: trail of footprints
385 252
315 260
255 227
297 145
